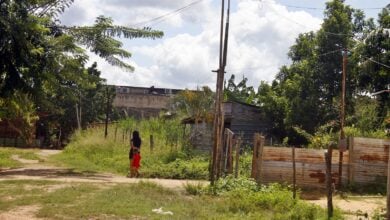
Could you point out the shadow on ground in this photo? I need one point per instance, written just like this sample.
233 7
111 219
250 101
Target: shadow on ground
53 173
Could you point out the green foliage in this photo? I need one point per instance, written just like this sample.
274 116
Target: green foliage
44 59
89 150
194 188
20 114
6 153
196 104
127 201
239 92
306 94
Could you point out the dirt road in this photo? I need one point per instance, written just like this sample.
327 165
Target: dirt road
38 170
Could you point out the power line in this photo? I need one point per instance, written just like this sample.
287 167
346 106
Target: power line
326 32
317 8
163 17
377 62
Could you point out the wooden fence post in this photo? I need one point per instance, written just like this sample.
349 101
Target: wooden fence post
257 157
116 130
294 172
388 187
230 152
351 166
328 180
238 145
151 143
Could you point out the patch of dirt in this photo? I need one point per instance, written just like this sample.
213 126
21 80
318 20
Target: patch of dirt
353 206
24 161
21 213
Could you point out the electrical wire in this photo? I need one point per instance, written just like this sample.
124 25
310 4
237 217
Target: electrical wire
161 18
289 19
377 62
316 8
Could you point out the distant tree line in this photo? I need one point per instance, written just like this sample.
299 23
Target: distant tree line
304 98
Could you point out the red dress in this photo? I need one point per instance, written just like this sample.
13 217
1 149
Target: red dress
136 162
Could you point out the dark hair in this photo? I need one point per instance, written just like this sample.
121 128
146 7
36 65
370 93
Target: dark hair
136 139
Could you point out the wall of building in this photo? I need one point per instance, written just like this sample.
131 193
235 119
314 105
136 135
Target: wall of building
141 102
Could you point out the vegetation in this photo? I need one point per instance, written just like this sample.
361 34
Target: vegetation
171 157
305 95
88 200
44 61
6 160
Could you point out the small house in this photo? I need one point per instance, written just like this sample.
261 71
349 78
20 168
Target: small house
242 119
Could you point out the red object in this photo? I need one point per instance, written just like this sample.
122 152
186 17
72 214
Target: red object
136 162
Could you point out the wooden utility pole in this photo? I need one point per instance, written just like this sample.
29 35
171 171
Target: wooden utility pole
218 114
388 188
342 142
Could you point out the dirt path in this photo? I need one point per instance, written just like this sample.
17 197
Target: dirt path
36 170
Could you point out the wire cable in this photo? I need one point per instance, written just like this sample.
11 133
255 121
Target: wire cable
159 19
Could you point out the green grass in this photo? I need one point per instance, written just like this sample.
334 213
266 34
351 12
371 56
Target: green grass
90 151
6 153
127 201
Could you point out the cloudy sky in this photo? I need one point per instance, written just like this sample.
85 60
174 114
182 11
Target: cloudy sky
261 32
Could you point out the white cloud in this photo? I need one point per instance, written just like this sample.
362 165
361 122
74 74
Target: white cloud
260 36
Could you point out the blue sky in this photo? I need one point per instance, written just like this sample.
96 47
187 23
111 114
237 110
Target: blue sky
260 36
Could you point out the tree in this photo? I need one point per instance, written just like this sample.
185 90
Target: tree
197 104
44 60
19 112
373 54
239 92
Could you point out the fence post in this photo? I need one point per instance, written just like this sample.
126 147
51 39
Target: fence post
230 153
116 130
151 143
294 172
328 180
351 165
238 144
257 157
388 186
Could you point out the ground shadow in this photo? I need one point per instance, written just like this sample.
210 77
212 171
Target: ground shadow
53 173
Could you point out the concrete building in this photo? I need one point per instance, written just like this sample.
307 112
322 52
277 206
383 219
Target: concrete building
142 102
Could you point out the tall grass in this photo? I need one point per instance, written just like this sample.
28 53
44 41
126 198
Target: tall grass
170 158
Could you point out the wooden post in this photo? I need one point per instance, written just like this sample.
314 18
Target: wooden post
116 130
351 166
294 172
230 153
328 181
123 135
238 145
257 157
388 186
151 143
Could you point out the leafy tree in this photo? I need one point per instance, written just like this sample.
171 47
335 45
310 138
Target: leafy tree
19 112
373 54
197 104
44 59
239 92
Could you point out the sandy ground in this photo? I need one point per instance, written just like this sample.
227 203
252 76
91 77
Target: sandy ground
357 207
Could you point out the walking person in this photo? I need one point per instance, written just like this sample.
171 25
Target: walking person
135 155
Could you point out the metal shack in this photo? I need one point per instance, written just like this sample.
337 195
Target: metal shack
241 118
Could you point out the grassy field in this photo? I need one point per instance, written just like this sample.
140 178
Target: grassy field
6 153
172 157
55 200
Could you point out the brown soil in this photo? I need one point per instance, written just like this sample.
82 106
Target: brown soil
20 213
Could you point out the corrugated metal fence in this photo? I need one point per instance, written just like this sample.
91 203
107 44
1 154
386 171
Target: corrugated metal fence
365 162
